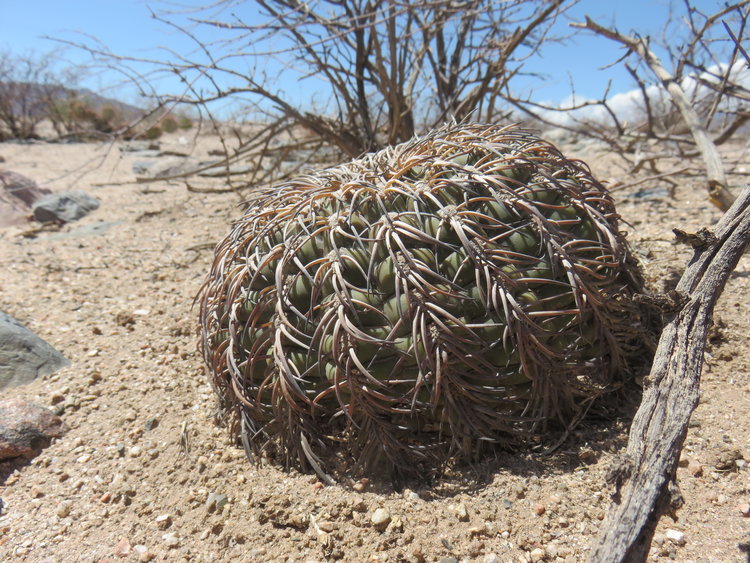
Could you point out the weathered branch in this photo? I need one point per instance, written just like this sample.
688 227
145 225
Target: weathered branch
646 472
718 193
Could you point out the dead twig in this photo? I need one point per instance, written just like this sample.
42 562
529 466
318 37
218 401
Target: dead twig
718 193
645 486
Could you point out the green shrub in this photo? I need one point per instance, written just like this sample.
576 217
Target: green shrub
153 133
169 124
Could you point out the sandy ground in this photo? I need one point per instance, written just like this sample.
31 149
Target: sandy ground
145 474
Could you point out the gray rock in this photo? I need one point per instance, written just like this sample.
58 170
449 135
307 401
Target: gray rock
64 206
221 170
93 229
26 428
17 194
23 355
163 167
216 502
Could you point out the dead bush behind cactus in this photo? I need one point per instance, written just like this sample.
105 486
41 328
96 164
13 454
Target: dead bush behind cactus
424 303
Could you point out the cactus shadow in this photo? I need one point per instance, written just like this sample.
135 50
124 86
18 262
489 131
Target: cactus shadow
587 448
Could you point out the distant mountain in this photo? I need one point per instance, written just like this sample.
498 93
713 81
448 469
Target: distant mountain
36 98
97 102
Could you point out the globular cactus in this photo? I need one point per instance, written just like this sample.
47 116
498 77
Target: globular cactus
462 290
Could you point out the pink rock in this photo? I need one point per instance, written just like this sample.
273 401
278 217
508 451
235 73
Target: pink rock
26 428
17 195
123 548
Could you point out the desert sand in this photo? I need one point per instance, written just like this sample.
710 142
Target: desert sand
146 473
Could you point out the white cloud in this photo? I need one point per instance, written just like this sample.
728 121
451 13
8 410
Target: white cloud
629 107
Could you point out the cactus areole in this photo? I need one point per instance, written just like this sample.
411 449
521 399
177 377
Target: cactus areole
463 290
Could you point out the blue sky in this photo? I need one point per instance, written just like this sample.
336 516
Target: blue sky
126 27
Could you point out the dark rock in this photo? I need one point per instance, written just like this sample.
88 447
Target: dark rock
139 146
23 355
26 428
64 206
650 194
17 194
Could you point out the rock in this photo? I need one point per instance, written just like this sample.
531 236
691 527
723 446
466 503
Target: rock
163 167
380 518
123 548
221 171
460 511
63 509
695 468
537 555
144 555
17 194
171 540
23 355
93 229
139 146
216 502
361 485
163 521
64 206
649 194
724 458
26 428
675 536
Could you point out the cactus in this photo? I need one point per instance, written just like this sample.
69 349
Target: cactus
424 303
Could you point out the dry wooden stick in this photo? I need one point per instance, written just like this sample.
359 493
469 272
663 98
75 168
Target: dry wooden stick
718 193
644 478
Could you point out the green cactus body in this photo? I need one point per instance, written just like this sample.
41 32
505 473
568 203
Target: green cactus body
421 303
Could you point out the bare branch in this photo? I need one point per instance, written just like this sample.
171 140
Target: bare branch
717 183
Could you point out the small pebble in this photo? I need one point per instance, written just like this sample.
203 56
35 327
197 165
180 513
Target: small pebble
361 485
461 512
695 468
537 555
411 495
480 530
171 540
744 509
63 509
380 518
123 548
135 451
491 558
539 509
216 502
676 537
144 555
163 521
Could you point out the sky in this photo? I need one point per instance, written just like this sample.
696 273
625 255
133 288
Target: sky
126 27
